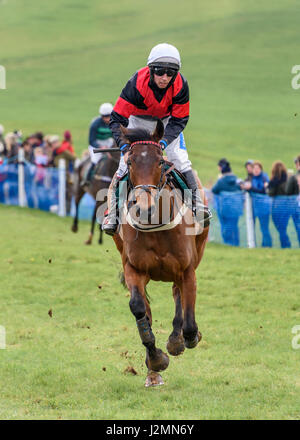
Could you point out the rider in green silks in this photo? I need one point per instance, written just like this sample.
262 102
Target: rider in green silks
100 135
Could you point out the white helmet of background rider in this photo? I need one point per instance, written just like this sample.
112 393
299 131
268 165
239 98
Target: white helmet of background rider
166 55
105 109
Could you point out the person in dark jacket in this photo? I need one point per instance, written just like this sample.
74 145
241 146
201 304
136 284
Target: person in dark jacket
229 203
228 181
100 135
261 205
277 183
293 189
280 215
157 91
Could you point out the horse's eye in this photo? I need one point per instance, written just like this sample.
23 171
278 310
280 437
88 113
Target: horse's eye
129 162
161 162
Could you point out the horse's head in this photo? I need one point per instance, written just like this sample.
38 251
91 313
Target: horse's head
145 161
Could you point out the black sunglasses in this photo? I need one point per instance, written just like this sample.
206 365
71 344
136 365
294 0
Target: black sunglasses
160 71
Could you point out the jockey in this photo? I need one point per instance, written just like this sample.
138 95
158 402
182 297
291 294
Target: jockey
100 135
158 90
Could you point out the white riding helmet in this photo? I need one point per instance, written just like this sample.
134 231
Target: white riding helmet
105 109
164 54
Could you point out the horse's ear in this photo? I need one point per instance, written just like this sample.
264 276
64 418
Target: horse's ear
124 133
159 131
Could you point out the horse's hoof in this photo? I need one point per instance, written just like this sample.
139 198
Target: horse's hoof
193 343
153 379
158 362
88 242
175 345
74 228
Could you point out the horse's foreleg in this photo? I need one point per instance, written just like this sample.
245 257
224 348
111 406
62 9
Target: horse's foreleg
175 344
156 360
188 289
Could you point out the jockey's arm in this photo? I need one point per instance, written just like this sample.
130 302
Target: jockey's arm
179 114
93 141
115 121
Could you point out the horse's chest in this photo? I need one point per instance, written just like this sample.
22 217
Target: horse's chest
159 263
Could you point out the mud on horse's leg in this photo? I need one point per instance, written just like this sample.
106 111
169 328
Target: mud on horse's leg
190 329
175 344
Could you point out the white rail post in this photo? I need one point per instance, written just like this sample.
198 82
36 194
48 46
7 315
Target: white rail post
62 188
21 178
249 221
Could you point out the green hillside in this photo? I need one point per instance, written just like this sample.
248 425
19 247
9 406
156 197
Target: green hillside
63 58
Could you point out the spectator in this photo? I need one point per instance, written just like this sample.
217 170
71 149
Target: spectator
293 187
280 205
66 144
228 181
277 184
261 205
260 179
12 147
229 203
2 143
57 154
249 169
36 139
41 161
28 151
18 134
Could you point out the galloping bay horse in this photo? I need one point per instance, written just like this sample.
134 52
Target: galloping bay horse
101 180
166 254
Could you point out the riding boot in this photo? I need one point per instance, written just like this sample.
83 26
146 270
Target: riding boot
88 178
200 211
110 222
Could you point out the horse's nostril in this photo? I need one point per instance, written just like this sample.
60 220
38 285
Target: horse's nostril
138 211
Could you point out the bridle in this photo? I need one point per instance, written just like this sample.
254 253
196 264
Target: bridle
147 188
159 188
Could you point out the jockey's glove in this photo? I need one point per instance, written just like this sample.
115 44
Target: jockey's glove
163 143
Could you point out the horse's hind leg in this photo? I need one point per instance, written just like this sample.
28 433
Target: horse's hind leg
190 329
175 344
78 197
156 360
90 239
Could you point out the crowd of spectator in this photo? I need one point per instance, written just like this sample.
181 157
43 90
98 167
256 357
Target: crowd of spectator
282 182
46 150
39 149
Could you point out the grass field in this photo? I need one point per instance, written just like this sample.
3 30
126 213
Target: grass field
63 59
71 365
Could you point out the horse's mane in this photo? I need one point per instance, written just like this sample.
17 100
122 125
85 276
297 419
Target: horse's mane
138 134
